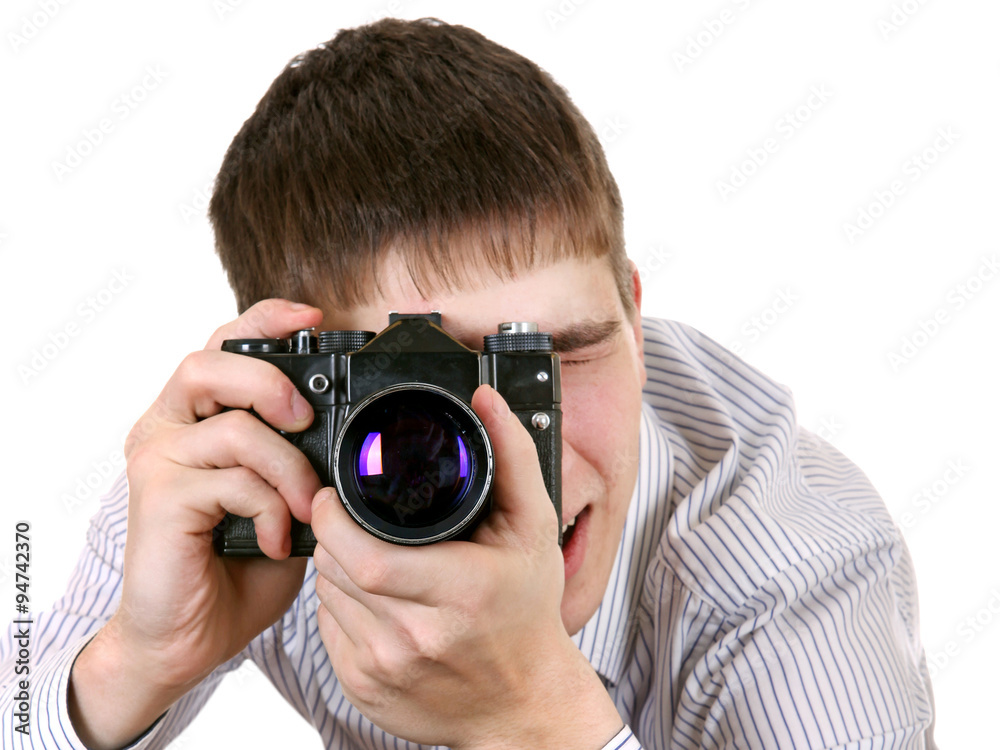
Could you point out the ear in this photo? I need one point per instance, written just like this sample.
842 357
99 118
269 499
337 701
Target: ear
637 315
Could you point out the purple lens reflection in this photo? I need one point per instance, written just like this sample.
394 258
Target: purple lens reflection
370 460
412 463
463 458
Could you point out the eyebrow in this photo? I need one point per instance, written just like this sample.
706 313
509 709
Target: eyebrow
571 338
583 335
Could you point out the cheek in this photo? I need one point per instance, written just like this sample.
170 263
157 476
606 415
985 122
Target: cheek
600 436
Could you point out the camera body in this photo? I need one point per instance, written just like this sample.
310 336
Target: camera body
394 431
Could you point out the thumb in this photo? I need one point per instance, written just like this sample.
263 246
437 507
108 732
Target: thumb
521 503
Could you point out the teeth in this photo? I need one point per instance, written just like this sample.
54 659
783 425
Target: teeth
567 525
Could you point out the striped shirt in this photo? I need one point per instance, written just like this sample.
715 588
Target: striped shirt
761 596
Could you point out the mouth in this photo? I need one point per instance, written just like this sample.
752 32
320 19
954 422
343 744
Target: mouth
574 542
567 529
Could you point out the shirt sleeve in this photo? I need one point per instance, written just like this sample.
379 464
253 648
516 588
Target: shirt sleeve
37 652
780 608
829 668
822 650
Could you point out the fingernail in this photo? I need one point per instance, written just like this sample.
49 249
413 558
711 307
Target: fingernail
300 407
323 495
500 407
299 306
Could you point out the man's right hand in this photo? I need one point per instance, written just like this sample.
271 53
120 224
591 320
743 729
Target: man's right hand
184 610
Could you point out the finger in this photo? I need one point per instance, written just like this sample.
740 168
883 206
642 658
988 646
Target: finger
345 658
237 438
258 579
207 381
520 499
383 607
356 622
196 500
380 646
269 318
332 635
376 566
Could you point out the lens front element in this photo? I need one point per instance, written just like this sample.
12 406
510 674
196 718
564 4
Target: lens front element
413 467
414 464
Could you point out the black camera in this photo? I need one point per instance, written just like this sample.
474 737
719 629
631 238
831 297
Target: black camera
394 431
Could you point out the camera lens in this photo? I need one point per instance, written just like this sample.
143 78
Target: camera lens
414 465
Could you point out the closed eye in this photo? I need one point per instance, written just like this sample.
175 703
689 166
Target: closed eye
584 358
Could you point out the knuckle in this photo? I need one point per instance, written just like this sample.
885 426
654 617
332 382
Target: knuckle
265 308
256 317
277 386
141 460
290 468
134 439
325 569
280 466
360 689
246 483
190 384
147 426
427 642
277 460
219 335
371 574
150 485
239 425
192 368
385 661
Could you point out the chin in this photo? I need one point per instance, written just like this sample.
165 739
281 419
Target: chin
577 608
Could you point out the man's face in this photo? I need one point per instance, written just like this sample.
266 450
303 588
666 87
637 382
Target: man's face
602 378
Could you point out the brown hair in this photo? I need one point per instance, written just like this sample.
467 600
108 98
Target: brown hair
419 137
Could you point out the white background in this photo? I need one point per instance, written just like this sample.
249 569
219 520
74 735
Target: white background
673 129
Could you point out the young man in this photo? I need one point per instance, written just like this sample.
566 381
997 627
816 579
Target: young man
725 578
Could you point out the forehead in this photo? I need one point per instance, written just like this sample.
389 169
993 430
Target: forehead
555 295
